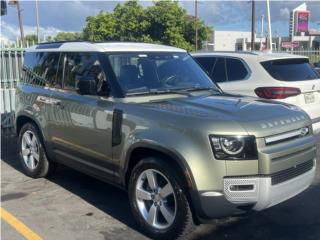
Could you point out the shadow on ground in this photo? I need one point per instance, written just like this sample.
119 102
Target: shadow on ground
298 218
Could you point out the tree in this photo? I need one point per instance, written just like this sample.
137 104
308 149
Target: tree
165 22
31 38
68 36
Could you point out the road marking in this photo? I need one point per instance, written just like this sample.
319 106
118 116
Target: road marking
19 226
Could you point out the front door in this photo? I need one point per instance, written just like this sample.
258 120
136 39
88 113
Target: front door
80 126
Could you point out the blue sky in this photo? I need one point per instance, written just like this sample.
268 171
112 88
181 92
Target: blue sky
58 16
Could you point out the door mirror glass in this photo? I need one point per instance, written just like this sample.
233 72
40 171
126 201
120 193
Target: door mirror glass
86 85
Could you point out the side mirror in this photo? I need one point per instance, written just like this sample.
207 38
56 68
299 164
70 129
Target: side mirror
86 85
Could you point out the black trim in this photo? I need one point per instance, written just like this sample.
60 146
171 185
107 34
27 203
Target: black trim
49 45
117 127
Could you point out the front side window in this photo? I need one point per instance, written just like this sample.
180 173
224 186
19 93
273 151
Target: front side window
84 66
290 69
157 71
206 63
219 71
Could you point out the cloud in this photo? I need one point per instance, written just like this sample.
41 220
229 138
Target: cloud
12 31
285 13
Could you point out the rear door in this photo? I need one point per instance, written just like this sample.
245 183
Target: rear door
81 125
298 73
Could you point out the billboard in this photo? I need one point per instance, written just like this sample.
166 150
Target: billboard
302 21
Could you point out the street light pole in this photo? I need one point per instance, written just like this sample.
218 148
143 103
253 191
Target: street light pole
196 22
269 25
37 19
253 24
20 23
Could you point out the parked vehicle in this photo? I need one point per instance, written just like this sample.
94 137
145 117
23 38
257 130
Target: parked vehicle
148 119
284 77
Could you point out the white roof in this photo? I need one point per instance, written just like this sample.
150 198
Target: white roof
103 47
260 56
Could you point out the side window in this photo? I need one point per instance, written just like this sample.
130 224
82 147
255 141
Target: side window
219 71
235 69
206 63
84 65
41 68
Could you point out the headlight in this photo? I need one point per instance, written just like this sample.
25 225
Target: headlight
234 147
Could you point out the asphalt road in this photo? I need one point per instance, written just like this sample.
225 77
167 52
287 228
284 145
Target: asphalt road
70 205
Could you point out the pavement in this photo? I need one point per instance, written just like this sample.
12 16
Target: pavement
70 205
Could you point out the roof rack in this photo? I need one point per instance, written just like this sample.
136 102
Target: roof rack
61 42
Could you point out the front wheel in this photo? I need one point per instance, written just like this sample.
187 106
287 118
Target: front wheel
158 201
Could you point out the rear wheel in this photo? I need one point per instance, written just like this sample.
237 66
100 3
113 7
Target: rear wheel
158 201
32 154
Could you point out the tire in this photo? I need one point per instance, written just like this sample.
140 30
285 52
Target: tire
180 218
33 149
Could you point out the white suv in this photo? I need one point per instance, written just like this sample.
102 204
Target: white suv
284 77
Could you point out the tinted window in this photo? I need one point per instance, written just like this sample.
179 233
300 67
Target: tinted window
219 71
206 63
290 69
157 71
235 69
41 68
84 65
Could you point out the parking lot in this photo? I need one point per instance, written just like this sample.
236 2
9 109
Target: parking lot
70 205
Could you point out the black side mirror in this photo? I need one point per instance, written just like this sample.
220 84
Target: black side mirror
86 85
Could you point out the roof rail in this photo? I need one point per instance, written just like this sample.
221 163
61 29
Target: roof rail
61 42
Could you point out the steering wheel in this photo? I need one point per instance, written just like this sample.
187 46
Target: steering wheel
170 80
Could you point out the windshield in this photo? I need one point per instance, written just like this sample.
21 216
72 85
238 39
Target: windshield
290 69
154 72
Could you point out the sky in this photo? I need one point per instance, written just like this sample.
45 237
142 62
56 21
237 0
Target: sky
70 16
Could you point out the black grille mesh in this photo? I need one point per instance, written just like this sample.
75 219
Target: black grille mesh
290 173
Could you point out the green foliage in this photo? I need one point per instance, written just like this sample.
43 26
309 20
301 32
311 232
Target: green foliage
68 36
31 38
165 22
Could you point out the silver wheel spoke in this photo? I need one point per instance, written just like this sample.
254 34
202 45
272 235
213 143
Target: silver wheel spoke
34 141
166 213
152 181
32 163
143 194
25 152
28 138
35 156
166 191
152 215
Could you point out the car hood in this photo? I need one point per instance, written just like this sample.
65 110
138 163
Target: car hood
257 116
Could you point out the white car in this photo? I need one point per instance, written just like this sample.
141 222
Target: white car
284 77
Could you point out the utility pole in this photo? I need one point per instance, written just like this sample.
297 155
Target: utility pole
196 22
269 26
253 24
17 4
37 19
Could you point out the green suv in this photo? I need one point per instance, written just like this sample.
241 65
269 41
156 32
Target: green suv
148 119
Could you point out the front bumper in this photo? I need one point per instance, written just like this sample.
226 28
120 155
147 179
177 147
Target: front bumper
264 192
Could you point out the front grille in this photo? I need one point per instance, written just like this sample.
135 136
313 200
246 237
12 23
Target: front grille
290 173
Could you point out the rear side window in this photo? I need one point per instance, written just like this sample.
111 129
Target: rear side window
84 65
219 71
206 63
235 69
290 69
42 69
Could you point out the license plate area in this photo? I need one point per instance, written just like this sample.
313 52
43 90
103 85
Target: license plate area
309 98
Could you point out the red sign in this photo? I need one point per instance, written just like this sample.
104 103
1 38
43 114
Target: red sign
290 44
302 24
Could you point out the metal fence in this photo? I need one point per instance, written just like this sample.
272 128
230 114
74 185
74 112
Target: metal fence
10 64
313 55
